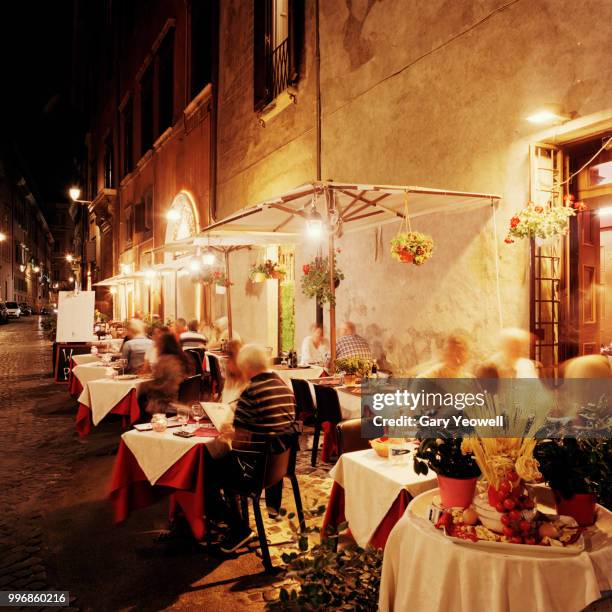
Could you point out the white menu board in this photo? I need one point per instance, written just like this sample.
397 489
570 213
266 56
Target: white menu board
75 316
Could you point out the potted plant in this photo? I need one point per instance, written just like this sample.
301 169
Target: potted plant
412 247
579 471
353 368
457 471
266 270
315 280
544 223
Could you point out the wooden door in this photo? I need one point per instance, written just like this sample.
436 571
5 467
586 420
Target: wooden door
589 272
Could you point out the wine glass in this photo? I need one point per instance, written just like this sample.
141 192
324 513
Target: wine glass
182 416
197 412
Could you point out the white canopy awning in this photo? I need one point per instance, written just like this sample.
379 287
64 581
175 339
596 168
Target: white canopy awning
358 207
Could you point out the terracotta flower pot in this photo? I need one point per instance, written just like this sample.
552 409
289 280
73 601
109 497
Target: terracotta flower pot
580 507
349 379
258 277
456 492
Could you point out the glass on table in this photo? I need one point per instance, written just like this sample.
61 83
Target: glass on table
182 416
197 412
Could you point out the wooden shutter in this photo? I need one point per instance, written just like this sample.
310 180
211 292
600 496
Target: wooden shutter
139 216
296 38
262 26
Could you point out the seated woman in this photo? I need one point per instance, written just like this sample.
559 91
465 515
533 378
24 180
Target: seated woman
315 348
169 371
151 354
135 349
234 379
220 332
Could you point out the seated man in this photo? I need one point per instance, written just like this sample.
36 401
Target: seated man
349 344
265 407
192 338
135 349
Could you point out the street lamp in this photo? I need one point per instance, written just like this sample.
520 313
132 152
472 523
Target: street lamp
69 258
314 224
173 215
36 269
2 237
75 193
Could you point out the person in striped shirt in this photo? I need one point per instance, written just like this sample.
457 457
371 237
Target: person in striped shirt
265 407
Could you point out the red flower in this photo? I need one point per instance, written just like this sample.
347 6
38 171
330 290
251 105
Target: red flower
306 268
568 199
539 209
580 206
514 221
508 240
338 250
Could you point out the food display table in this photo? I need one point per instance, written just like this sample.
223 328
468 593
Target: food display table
104 396
150 466
466 577
372 494
80 375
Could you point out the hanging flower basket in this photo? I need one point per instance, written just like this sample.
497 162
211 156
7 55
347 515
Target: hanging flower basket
315 279
412 247
211 277
264 271
544 223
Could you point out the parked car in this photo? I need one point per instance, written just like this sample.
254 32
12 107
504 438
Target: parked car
26 310
14 312
4 315
44 311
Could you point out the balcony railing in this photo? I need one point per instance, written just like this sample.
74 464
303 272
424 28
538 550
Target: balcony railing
279 69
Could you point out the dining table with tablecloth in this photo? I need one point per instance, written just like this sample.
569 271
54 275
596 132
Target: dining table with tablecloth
371 494
424 571
82 374
105 396
151 465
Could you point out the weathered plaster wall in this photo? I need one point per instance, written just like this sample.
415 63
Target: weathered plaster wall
422 93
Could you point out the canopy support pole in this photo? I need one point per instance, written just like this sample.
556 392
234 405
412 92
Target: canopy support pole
332 285
228 294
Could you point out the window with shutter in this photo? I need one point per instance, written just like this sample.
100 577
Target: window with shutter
277 44
202 19
166 82
146 110
139 217
127 120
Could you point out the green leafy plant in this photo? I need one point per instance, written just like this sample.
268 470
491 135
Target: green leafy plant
315 280
49 327
287 315
577 465
354 366
443 455
543 222
412 247
269 268
325 578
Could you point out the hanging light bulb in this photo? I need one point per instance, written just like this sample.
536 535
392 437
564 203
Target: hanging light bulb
208 259
195 265
314 224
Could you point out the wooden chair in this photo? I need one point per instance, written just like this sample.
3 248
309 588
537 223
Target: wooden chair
327 410
262 469
349 437
189 390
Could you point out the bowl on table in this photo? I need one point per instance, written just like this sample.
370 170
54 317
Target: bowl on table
381 445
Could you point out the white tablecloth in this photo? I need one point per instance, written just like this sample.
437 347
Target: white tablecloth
309 373
157 452
102 395
371 484
89 371
424 571
85 358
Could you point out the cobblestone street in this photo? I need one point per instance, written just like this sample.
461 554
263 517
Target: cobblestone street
56 523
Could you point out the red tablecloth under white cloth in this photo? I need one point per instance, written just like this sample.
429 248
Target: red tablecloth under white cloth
80 375
104 396
424 571
150 466
371 485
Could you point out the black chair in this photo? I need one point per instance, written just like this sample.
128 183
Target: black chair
305 408
197 354
189 390
328 409
216 379
349 437
260 469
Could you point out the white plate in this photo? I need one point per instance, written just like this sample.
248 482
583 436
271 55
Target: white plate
419 507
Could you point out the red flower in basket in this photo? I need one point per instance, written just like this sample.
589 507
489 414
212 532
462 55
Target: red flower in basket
568 199
514 221
509 240
306 268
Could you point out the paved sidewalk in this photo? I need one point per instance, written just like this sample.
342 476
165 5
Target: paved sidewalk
55 520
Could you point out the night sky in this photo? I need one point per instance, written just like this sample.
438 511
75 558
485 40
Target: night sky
37 118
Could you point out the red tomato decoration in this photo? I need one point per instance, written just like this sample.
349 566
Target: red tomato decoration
509 503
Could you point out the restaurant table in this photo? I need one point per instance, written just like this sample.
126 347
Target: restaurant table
82 374
105 396
425 571
150 466
303 373
85 358
372 494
